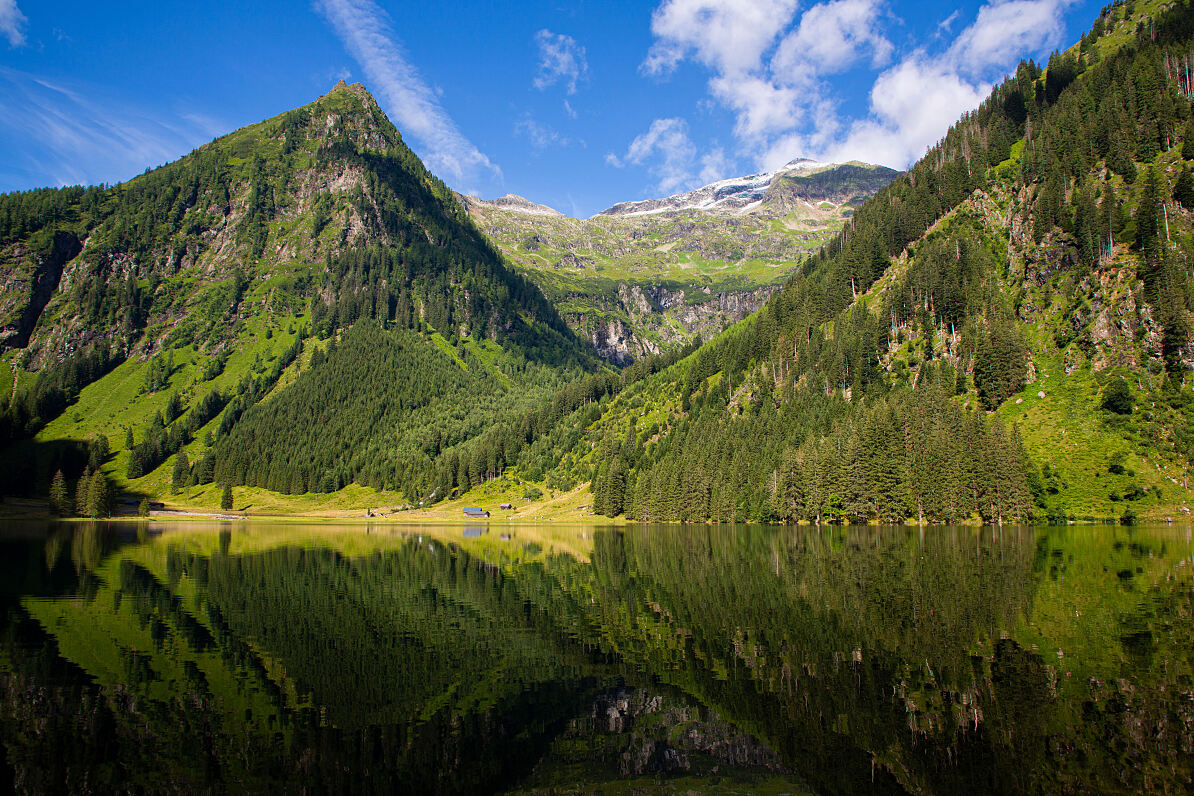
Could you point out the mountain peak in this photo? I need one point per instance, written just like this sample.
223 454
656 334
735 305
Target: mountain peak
512 202
745 194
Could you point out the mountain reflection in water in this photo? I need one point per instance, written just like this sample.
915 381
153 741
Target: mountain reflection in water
734 659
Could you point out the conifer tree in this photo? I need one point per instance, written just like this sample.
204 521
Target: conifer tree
226 498
97 450
59 499
1183 189
98 496
182 472
1188 142
82 490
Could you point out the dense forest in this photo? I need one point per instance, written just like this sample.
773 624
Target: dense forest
417 361
842 429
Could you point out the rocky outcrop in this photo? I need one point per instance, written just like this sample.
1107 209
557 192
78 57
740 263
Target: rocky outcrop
642 319
27 283
512 202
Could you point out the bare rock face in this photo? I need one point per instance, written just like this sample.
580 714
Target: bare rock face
773 193
511 202
27 282
640 317
644 275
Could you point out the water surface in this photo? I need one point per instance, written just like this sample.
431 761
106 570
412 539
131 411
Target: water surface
539 659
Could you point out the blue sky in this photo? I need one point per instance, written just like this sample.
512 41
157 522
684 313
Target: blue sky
574 104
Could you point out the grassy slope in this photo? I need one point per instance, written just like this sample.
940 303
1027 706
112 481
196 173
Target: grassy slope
1065 429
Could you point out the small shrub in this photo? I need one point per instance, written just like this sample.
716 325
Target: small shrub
1117 397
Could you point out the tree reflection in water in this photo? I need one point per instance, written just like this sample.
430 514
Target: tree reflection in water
842 660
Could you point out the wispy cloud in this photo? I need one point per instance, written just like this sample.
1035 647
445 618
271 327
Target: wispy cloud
12 22
367 35
541 136
561 60
55 134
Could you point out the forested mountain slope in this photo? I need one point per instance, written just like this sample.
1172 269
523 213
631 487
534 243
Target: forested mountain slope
644 275
1002 332
169 311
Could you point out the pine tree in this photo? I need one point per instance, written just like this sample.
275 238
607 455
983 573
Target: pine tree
82 490
226 498
59 499
1183 189
1148 216
98 450
98 496
182 472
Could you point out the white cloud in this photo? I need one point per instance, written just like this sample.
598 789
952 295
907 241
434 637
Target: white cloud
912 106
365 31
569 110
762 107
667 151
729 36
81 139
770 68
1005 31
832 37
715 166
561 60
12 21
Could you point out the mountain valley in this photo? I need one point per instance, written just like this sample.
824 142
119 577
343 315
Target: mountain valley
641 276
299 317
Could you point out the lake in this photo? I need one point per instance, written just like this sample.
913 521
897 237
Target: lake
276 656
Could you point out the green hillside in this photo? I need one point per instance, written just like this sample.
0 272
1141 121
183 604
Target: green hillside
635 283
186 308
1001 333
298 317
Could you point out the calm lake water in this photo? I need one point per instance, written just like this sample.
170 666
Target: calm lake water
283 657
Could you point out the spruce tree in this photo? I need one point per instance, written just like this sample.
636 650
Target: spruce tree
182 472
98 496
82 489
97 450
1183 189
226 498
59 499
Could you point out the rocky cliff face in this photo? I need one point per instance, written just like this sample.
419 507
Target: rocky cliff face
801 179
644 275
27 282
639 320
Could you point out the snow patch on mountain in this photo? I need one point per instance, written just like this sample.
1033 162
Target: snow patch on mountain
735 195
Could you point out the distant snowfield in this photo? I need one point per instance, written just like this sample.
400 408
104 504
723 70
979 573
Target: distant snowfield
736 194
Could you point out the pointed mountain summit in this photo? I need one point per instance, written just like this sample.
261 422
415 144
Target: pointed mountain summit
274 203
220 296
